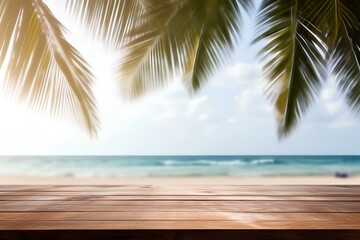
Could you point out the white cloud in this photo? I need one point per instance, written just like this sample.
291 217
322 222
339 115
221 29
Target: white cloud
203 117
231 120
268 107
342 124
171 103
170 113
243 99
333 107
328 94
194 104
243 71
331 99
238 73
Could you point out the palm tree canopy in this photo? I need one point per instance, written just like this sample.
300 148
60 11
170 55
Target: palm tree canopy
304 39
340 23
44 70
304 42
293 56
190 38
108 20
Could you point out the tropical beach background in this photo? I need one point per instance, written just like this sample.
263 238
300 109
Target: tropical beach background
179 169
224 133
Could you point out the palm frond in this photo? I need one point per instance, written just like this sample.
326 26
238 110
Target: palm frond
154 49
214 37
44 70
186 37
346 66
109 20
293 59
340 22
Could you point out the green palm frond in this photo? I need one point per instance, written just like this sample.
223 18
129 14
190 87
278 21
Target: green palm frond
347 66
186 37
149 53
44 70
110 20
340 21
216 30
294 58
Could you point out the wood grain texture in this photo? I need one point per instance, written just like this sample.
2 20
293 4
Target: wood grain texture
244 206
166 212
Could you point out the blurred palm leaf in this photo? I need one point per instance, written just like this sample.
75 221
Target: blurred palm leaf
109 20
294 58
217 29
148 53
191 38
340 22
44 70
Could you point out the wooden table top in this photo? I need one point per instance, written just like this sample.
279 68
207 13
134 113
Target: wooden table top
179 207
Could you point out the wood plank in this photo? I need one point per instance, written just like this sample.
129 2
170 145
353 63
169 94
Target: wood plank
179 208
128 203
179 216
244 206
175 198
143 225
39 198
181 193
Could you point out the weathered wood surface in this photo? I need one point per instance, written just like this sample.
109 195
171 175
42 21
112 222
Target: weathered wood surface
181 212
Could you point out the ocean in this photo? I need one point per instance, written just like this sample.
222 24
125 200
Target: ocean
177 166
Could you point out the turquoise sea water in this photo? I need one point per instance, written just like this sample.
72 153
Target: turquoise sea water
112 166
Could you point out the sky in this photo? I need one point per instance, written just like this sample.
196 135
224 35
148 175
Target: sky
228 116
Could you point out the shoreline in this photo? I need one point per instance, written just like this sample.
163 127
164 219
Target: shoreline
270 180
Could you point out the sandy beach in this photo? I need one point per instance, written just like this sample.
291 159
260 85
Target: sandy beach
306 180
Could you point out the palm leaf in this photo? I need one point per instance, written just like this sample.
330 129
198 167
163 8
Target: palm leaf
109 20
293 59
154 49
340 21
347 66
214 37
192 38
44 70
